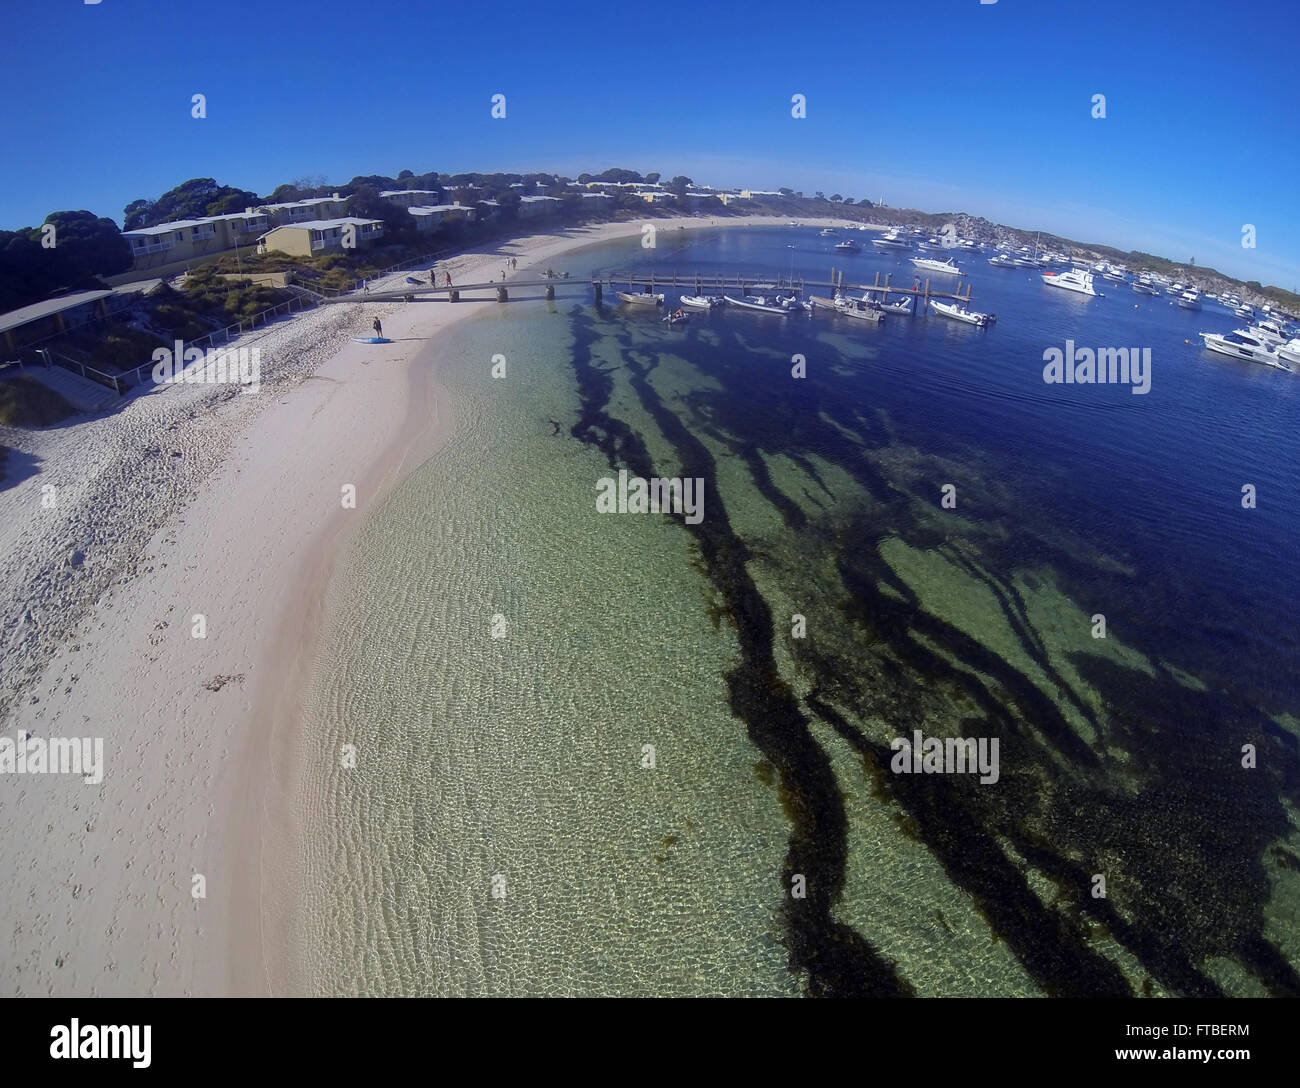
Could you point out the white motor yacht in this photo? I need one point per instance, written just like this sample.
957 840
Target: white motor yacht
1076 280
932 264
892 240
1240 345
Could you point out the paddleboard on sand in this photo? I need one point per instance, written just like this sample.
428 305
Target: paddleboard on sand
372 340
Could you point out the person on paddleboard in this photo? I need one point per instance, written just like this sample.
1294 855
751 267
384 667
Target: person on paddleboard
379 329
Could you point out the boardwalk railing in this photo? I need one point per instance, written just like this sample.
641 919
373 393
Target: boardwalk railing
300 302
54 358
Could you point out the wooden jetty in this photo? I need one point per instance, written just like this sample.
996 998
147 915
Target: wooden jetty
652 280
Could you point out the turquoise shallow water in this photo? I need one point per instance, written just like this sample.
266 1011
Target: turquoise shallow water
501 833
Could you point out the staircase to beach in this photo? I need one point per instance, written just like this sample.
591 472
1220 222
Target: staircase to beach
82 393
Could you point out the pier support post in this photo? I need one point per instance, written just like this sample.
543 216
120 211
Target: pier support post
454 296
550 291
503 295
597 286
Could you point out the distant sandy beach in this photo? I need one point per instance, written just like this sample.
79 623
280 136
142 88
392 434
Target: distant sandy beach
196 501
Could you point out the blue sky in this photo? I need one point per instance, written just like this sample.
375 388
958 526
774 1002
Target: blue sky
954 105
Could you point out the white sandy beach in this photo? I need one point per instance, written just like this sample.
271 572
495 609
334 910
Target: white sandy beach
195 500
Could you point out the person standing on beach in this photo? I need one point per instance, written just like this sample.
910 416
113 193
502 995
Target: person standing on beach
379 329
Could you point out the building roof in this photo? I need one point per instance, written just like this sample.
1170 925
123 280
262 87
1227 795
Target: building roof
308 202
182 224
404 192
427 209
37 310
324 224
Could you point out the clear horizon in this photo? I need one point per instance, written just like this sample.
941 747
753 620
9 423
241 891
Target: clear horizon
985 109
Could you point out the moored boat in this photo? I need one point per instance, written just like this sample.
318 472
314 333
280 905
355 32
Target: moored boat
848 246
930 264
1290 351
959 313
1240 345
641 298
701 302
1075 280
891 240
761 303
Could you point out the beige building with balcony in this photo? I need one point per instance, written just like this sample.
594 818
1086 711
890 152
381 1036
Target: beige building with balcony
320 236
173 246
305 211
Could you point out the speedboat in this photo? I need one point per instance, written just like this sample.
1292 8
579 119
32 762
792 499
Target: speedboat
892 240
1175 289
960 313
902 306
790 304
1144 287
848 246
1240 345
828 231
1246 312
967 243
676 318
1002 260
1190 299
931 245
761 303
930 264
1075 280
700 302
641 298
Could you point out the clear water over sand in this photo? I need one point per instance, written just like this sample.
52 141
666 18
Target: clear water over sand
514 765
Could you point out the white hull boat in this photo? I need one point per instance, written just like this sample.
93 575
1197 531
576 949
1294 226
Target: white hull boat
1074 280
892 240
641 299
1290 352
757 302
1239 345
929 264
960 313
700 302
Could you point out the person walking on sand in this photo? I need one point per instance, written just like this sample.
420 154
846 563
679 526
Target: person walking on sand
379 329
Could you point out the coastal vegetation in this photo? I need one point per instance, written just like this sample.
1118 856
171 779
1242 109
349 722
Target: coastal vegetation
90 247
25 402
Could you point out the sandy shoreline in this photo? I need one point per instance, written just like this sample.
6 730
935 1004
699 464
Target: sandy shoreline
242 523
